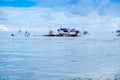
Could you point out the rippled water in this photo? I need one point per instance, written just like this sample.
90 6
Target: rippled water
59 58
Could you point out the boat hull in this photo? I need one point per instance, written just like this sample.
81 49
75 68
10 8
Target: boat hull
72 35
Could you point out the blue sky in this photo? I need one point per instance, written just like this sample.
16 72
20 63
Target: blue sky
31 3
82 7
51 3
59 12
46 3
16 3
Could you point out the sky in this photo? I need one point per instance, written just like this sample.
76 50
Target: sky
39 14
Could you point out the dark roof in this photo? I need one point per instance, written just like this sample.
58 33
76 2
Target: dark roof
117 31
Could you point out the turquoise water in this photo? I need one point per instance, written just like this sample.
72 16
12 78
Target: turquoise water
59 58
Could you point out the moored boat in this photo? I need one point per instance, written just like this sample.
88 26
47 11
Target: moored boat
64 32
118 32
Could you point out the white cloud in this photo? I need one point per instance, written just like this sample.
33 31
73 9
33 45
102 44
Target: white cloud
36 18
3 16
3 27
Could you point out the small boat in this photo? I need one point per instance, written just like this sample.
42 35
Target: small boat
64 32
118 33
85 33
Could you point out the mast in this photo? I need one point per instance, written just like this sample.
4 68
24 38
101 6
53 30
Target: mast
83 28
19 31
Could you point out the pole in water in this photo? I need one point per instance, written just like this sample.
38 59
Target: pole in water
19 31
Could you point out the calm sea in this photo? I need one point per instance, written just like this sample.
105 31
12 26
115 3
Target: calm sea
59 58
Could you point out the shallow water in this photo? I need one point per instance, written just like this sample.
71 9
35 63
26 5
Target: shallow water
59 58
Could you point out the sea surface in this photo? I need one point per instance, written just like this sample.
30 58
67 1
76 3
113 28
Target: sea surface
90 57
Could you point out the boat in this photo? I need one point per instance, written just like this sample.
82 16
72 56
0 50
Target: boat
64 32
118 32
